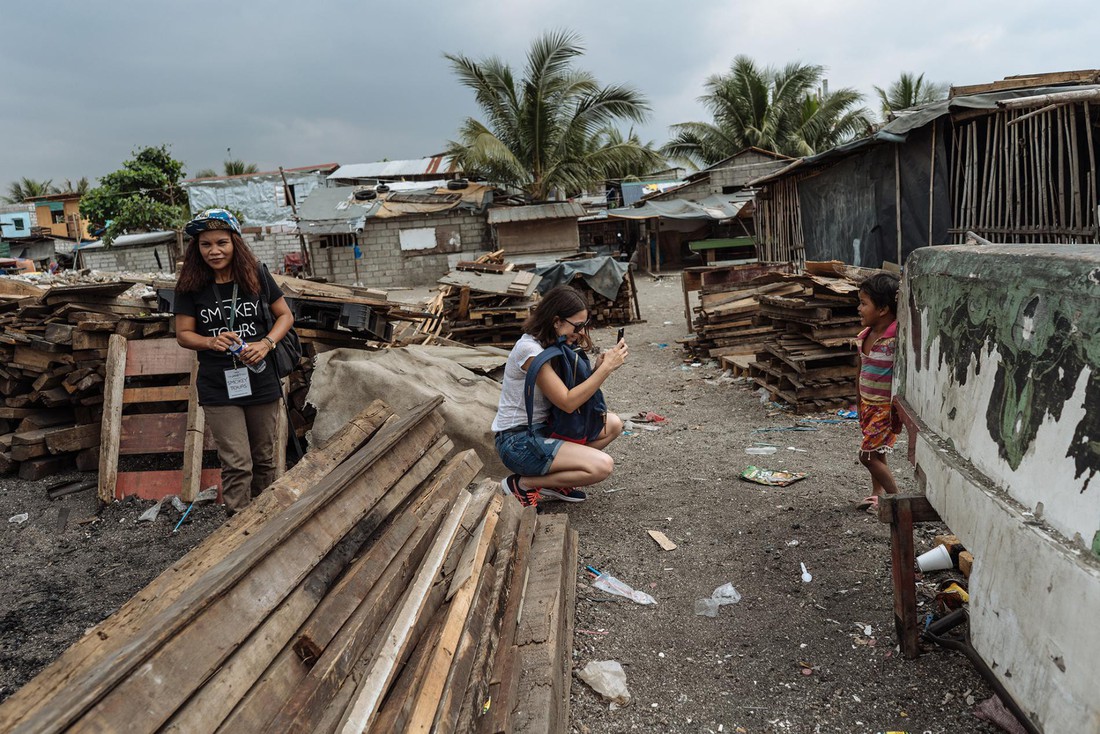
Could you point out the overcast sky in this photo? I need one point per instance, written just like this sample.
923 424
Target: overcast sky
300 83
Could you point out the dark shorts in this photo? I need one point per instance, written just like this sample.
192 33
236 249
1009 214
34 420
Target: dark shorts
526 455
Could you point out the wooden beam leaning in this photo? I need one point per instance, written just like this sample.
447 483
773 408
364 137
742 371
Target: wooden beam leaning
141 611
112 418
471 566
369 694
71 702
193 440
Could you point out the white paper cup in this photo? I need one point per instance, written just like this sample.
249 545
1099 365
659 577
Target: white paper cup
937 559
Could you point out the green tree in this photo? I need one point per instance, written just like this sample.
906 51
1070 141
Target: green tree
141 196
908 91
548 131
25 188
780 110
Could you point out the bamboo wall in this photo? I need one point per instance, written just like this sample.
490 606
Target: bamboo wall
1020 176
778 222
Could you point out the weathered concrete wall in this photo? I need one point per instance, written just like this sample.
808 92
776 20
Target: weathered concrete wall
551 235
1000 359
128 259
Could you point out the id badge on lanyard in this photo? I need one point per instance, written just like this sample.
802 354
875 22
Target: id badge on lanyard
237 382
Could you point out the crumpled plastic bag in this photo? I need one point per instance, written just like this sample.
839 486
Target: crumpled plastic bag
724 594
610 584
607 678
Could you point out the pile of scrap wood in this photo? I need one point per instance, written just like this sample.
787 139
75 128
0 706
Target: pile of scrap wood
811 362
366 590
623 309
53 349
485 303
729 323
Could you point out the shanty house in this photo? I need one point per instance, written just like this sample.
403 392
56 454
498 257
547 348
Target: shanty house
394 237
436 169
537 232
60 214
1012 161
144 252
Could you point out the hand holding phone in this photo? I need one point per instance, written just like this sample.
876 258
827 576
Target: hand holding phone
622 333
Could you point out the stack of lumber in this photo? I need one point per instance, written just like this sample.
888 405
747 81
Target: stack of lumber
366 590
481 306
728 321
810 362
53 350
603 312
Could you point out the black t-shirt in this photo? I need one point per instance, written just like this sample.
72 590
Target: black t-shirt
212 310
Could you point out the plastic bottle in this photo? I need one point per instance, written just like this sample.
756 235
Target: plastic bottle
236 350
760 450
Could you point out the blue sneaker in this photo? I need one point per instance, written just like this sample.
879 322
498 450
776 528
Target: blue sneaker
563 494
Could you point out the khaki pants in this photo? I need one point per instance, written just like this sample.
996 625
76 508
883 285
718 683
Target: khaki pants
245 436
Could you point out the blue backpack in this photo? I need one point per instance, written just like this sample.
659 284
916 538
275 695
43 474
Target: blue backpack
586 422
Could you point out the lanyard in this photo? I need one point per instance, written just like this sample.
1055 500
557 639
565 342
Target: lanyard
232 312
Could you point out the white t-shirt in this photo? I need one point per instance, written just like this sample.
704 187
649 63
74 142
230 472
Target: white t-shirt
511 411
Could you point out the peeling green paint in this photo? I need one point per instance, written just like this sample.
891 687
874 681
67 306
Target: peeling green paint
1039 306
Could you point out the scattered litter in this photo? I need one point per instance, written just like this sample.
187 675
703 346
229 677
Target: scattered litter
773 429
995 712
647 416
185 514
668 323
662 540
806 576
610 584
769 477
792 448
210 494
724 594
592 632
760 450
151 514
607 678
19 519
659 345
648 427
792 542
848 414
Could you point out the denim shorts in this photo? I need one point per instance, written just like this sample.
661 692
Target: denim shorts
526 455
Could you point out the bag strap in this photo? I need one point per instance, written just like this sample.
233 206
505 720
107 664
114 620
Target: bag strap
265 298
532 372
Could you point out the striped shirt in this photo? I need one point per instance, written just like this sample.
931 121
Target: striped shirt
876 370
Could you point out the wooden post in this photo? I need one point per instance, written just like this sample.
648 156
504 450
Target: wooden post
901 511
193 439
112 417
282 429
1091 215
897 195
306 264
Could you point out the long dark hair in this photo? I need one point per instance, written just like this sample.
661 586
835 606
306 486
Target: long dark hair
559 302
195 275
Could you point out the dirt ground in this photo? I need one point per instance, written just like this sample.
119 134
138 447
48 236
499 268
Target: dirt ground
739 672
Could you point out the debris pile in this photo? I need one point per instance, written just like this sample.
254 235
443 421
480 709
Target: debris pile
366 590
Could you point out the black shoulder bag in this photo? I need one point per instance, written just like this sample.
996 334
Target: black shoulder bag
288 350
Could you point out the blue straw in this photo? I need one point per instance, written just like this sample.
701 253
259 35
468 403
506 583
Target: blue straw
184 517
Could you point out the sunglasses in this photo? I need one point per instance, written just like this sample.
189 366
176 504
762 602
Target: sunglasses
578 327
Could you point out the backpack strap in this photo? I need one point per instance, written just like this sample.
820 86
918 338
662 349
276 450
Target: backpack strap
532 372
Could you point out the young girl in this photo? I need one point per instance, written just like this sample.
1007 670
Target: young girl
545 467
218 309
878 298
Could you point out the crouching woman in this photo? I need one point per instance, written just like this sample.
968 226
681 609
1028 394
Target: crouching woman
545 465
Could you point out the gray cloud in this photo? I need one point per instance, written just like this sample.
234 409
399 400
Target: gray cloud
292 83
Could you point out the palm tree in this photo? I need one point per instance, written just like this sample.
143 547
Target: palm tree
780 110
548 131
908 91
80 187
25 188
240 168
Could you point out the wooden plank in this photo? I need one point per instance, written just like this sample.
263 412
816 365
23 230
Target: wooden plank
112 418
467 578
149 605
158 669
195 439
157 357
263 702
394 715
901 570
156 433
36 469
155 485
662 540
90 339
505 677
165 394
368 695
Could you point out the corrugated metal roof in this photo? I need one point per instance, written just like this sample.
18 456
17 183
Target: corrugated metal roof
536 212
436 165
321 168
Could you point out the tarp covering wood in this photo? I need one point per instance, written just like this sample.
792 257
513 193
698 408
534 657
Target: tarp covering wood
344 380
714 208
602 274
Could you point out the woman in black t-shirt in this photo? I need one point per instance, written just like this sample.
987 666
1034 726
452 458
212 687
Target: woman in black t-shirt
219 308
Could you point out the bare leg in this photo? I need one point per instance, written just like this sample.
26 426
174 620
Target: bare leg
574 466
882 479
613 428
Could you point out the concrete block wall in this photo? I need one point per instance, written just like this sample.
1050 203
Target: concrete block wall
270 244
385 265
129 259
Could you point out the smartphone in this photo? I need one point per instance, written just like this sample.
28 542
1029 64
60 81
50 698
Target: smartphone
622 333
